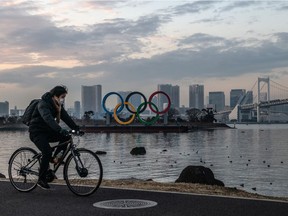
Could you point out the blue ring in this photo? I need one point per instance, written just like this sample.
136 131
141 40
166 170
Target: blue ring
104 101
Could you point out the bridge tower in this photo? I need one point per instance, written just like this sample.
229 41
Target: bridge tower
265 80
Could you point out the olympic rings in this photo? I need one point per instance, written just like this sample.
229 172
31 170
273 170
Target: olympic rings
141 108
166 109
116 117
104 101
145 102
154 120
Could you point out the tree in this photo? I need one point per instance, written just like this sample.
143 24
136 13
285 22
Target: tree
207 115
172 113
193 114
88 115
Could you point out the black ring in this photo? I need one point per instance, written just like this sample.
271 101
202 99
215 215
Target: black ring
127 100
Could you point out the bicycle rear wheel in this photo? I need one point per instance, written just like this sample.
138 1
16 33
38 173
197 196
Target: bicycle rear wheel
83 173
23 169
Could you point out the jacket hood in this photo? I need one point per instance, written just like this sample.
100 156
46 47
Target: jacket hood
47 97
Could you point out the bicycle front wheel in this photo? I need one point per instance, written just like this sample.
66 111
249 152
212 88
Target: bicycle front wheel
83 172
23 169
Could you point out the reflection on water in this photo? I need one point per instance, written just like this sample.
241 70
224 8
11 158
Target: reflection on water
250 156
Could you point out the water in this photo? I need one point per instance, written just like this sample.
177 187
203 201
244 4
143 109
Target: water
253 155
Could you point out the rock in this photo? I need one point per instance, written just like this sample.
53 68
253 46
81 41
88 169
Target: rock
101 152
2 176
138 151
198 174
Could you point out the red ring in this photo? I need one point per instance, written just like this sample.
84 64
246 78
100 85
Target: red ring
150 100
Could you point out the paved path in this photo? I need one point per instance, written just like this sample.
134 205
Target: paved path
61 202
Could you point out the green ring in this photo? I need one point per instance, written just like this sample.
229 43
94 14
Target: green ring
153 121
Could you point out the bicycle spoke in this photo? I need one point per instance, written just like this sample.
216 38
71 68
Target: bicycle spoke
83 174
23 169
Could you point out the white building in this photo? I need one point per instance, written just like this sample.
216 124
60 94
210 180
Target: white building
91 97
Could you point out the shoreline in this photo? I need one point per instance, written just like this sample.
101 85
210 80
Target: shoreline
189 188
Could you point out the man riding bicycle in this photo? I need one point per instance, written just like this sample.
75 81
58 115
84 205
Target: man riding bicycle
44 128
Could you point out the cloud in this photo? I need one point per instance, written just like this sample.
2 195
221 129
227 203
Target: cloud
239 5
194 7
105 52
22 34
209 20
226 58
103 4
284 7
205 40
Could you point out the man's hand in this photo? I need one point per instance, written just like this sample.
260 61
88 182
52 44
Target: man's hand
64 132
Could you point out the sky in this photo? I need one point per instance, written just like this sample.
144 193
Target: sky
133 45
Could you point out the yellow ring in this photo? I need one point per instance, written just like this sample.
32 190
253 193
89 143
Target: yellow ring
116 117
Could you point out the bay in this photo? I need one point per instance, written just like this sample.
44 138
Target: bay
250 156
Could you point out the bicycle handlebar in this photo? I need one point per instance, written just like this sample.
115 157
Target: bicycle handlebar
77 132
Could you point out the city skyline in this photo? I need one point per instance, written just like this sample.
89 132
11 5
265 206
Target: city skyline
133 45
95 104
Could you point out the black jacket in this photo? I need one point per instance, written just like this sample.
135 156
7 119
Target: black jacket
43 118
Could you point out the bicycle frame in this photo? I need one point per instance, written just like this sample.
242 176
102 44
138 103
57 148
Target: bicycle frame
70 147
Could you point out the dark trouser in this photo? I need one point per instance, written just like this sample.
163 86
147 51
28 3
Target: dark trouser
42 140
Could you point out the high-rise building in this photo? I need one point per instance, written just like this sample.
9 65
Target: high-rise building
217 99
175 97
77 109
123 94
196 96
98 98
4 108
235 95
135 99
91 97
172 91
162 99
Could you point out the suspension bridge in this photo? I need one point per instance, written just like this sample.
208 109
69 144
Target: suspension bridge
270 98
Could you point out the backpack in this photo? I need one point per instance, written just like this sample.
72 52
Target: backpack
27 116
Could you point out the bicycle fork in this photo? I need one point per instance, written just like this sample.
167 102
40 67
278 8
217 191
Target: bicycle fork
81 170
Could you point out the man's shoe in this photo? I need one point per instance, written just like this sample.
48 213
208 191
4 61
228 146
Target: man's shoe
43 185
50 176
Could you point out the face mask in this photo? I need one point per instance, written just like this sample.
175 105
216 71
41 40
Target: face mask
62 100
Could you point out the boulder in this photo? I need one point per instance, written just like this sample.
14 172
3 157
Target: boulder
2 176
198 174
138 151
100 152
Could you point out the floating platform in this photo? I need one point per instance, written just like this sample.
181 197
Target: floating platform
136 129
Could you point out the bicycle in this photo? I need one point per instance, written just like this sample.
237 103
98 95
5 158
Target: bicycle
82 170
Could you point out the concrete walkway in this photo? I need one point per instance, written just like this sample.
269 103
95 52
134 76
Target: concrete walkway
61 202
